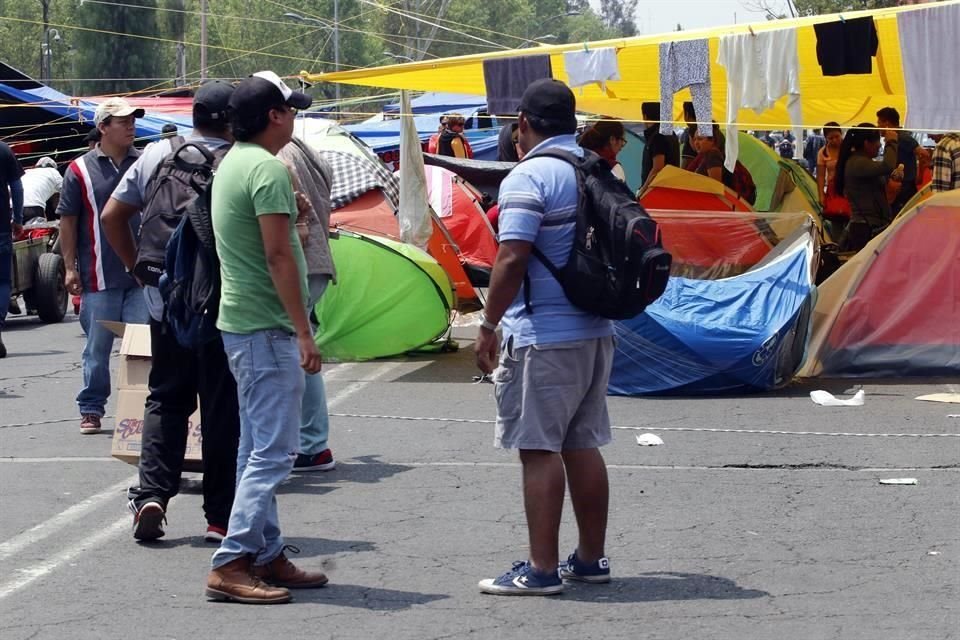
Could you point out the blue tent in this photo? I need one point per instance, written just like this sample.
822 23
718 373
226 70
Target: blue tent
745 333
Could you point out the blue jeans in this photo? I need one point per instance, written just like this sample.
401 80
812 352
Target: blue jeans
117 305
315 420
6 275
266 365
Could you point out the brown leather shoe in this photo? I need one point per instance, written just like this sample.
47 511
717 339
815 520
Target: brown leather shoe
89 424
233 581
283 573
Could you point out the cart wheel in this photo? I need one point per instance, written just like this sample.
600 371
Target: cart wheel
50 292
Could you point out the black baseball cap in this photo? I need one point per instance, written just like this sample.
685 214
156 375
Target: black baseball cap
551 100
211 102
265 90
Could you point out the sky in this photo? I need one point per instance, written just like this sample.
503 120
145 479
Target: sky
659 16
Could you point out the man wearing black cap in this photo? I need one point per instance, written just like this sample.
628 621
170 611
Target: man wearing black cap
266 335
551 382
178 375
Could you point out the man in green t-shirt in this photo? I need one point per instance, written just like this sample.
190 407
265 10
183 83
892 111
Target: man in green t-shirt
266 335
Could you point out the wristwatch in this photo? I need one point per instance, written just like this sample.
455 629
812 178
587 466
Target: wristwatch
489 326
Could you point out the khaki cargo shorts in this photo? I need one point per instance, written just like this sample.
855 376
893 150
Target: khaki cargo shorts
553 397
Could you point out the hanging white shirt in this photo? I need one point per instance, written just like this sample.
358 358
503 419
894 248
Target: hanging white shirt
761 69
39 185
595 65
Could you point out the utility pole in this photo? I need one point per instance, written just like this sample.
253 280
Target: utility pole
203 40
45 43
336 48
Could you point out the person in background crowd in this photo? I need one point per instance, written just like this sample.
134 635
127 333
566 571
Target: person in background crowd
607 138
266 334
11 222
41 190
709 159
94 271
834 204
452 141
554 364
92 138
786 145
435 138
507 149
924 167
946 163
860 178
169 130
659 150
889 118
312 178
178 376
687 149
811 150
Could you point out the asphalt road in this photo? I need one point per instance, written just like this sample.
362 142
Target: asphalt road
714 534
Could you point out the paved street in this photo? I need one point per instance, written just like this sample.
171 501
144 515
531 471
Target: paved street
715 534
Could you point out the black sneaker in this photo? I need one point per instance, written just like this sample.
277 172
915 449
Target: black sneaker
322 461
3 349
595 573
148 520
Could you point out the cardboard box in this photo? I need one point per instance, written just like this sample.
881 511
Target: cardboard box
132 377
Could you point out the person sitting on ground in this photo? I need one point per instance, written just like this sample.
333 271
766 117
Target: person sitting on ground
452 141
606 138
659 150
861 179
41 190
834 204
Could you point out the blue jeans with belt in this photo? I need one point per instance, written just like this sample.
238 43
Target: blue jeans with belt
266 365
118 305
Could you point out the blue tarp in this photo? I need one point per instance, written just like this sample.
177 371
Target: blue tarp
65 108
745 333
439 103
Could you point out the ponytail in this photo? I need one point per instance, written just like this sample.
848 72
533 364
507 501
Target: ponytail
852 143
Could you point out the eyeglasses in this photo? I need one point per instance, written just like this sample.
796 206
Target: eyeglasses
623 141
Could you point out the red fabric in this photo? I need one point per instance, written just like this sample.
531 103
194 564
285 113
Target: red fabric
92 216
683 200
493 215
712 241
469 227
910 294
433 142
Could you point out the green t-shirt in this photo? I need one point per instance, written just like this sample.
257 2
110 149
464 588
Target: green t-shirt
251 182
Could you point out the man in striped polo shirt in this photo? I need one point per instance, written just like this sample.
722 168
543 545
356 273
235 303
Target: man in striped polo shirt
551 382
94 271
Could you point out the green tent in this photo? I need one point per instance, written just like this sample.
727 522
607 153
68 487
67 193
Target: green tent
777 178
389 298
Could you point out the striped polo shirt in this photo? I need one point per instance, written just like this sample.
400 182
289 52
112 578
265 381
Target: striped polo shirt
87 185
538 204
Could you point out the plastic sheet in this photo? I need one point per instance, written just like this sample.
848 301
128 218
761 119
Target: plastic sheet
745 333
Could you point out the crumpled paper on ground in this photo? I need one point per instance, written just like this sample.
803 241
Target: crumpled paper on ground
952 398
827 399
649 440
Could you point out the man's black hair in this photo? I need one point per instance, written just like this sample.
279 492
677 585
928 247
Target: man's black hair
248 126
890 115
548 128
650 111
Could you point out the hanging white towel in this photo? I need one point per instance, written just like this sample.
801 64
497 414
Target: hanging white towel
686 64
596 65
933 84
761 69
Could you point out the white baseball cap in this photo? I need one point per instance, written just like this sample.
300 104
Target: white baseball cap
115 107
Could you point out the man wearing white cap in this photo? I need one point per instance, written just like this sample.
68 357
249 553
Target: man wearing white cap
94 271
41 186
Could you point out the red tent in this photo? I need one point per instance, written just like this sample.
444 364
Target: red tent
457 204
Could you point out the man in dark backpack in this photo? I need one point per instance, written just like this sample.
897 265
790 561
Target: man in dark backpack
178 375
555 363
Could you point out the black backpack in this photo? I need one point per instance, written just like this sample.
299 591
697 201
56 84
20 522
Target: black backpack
174 184
617 264
190 284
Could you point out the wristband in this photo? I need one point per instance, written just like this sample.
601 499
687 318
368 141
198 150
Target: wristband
489 326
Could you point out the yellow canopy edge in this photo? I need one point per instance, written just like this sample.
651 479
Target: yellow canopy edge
846 99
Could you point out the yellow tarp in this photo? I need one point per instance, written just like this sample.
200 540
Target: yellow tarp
846 99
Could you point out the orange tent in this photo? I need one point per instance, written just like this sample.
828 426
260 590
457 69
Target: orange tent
373 214
681 190
457 204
